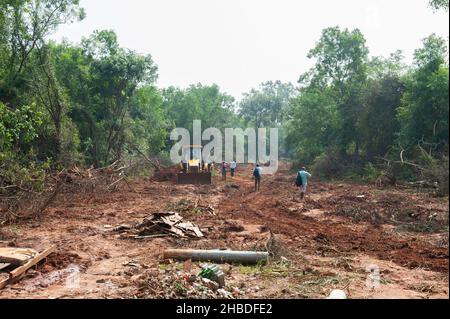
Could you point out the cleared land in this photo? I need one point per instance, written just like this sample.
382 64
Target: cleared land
326 242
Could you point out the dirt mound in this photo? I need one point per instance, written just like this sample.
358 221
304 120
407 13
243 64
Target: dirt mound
232 227
59 261
4 236
166 174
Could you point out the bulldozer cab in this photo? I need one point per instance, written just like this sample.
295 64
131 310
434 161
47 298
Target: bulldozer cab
193 167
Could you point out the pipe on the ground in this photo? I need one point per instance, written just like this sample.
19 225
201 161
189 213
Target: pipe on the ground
218 256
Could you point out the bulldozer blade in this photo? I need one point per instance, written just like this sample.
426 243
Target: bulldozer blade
194 179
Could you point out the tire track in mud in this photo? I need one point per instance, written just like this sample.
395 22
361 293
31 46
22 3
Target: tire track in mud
267 207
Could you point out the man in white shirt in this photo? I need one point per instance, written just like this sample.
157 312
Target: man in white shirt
233 168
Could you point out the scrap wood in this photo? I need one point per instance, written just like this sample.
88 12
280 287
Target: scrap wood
3 278
121 228
16 256
4 265
150 236
204 208
161 223
174 223
18 272
207 209
167 223
190 227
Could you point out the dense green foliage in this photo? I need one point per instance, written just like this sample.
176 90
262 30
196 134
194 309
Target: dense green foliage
95 102
354 111
439 4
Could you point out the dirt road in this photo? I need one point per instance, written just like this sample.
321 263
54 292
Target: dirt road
332 240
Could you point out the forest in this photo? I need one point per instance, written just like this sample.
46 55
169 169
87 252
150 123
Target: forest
351 116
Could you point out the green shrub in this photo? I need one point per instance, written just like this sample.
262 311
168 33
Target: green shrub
22 172
328 165
370 173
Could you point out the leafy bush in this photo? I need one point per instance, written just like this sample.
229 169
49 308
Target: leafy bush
18 126
328 165
371 173
21 172
439 173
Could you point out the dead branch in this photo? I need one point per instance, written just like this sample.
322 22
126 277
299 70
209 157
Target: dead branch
116 182
155 164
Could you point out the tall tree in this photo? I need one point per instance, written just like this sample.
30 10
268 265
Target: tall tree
341 62
439 4
267 105
25 24
312 124
115 75
424 108
199 102
381 96
148 122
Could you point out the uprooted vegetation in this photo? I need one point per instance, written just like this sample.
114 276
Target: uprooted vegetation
395 209
28 195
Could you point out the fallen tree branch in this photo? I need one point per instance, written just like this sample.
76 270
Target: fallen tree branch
155 165
116 182
19 188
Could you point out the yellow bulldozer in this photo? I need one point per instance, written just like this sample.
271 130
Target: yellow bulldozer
195 171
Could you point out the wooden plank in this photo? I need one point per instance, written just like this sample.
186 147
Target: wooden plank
20 270
4 265
16 256
150 236
16 273
4 279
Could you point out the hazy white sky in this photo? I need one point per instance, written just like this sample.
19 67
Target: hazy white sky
238 44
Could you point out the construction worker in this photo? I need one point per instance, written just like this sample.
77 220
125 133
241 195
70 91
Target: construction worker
257 174
302 178
233 168
224 171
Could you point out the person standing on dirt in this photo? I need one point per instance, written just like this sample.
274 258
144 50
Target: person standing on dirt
224 171
302 178
232 168
257 174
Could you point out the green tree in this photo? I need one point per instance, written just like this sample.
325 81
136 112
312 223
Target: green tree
199 102
312 124
72 71
19 127
341 63
378 124
149 124
424 107
115 75
439 4
267 105
24 25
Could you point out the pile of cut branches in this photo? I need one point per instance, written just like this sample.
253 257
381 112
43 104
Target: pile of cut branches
21 198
